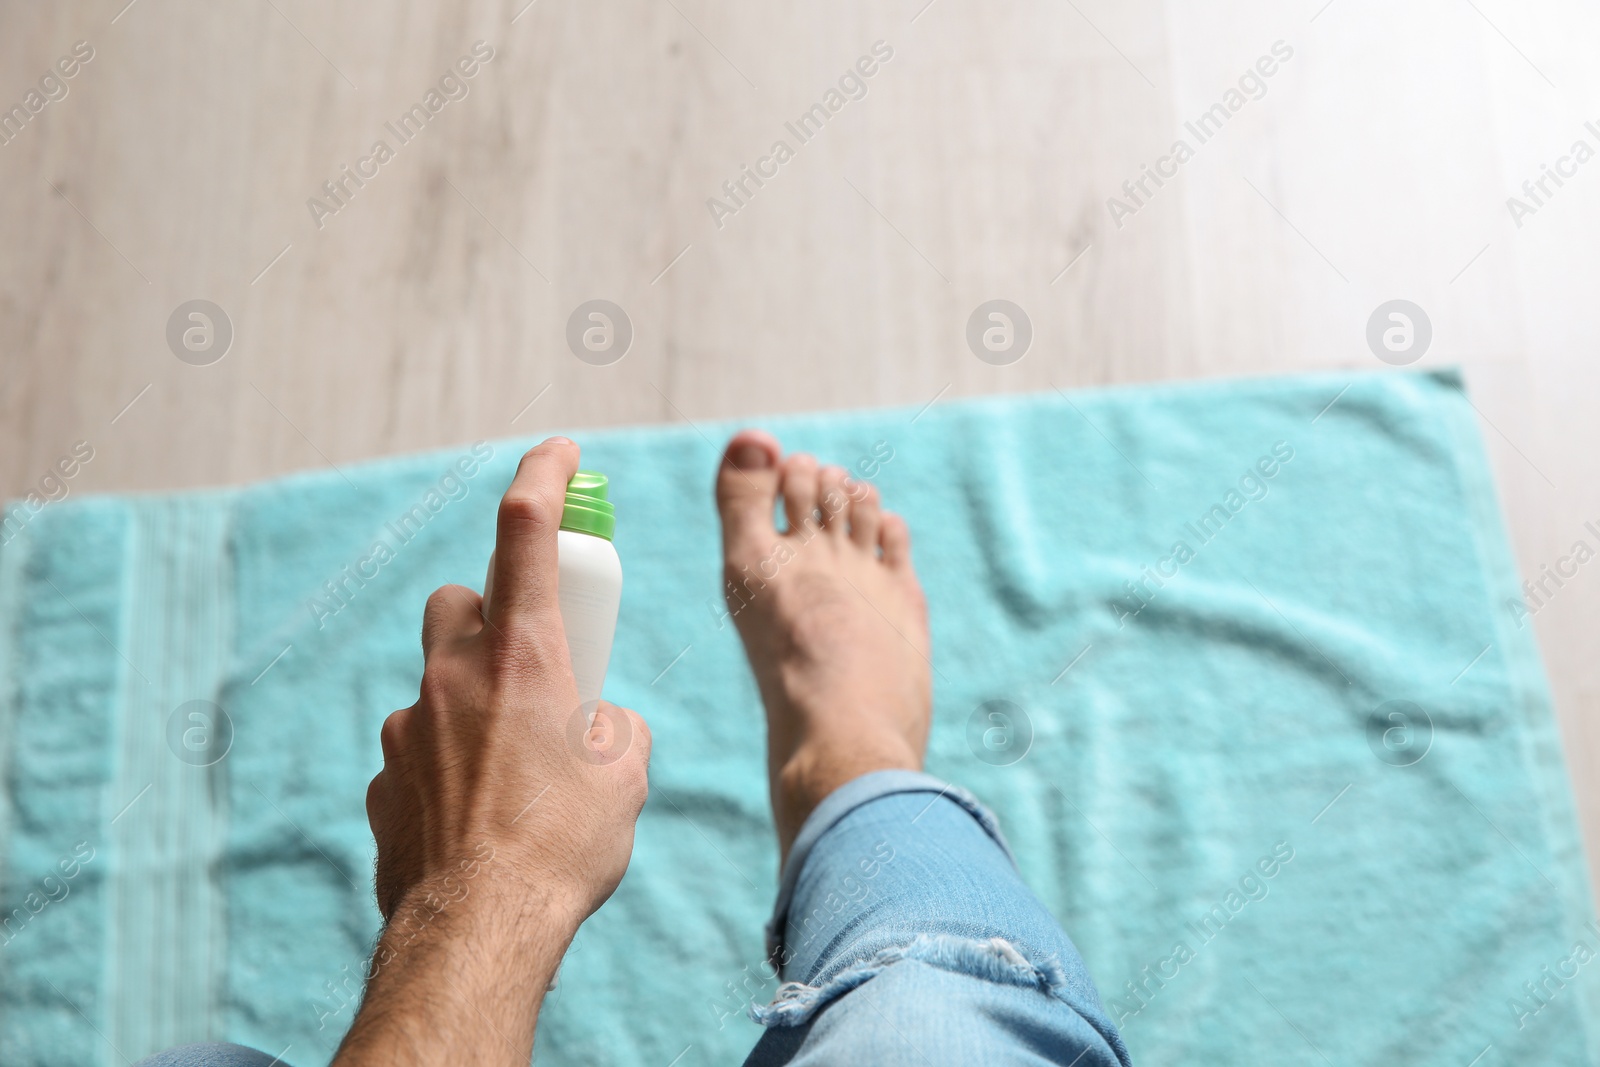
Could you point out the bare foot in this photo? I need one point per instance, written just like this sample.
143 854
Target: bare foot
833 622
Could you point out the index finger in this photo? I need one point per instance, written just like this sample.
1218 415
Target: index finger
524 573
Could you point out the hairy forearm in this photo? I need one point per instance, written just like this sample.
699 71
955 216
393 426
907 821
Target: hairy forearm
460 980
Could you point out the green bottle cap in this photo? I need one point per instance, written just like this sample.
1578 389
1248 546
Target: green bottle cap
587 510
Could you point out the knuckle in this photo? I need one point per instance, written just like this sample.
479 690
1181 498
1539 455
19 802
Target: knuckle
528 508
639 754
525 647
636 783
641 733
393 735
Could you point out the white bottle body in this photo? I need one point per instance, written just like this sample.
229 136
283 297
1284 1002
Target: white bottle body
589 593
590 590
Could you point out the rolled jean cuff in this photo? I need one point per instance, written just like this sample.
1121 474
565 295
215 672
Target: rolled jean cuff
841 802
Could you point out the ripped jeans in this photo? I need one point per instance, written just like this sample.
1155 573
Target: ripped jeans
906 937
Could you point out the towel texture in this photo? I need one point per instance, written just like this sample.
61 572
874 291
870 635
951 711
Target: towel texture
1238 666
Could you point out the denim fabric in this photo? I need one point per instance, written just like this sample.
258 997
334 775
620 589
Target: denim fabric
905 936
211 1055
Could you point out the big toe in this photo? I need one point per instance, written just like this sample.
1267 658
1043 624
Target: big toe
747 489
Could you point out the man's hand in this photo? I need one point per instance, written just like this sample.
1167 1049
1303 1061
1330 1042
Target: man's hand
504 813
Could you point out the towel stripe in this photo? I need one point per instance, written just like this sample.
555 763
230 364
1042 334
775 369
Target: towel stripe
165 952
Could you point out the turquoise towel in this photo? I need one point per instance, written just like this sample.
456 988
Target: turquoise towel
1184 636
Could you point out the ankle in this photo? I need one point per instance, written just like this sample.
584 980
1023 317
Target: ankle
814 771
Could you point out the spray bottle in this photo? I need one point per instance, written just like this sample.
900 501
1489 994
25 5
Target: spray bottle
589 580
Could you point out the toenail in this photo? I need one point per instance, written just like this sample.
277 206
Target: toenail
751 458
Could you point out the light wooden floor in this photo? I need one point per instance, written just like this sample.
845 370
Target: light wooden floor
431 308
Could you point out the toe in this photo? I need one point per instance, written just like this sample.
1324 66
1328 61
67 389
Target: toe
894 537
800 490
833 501
747 488
866 515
